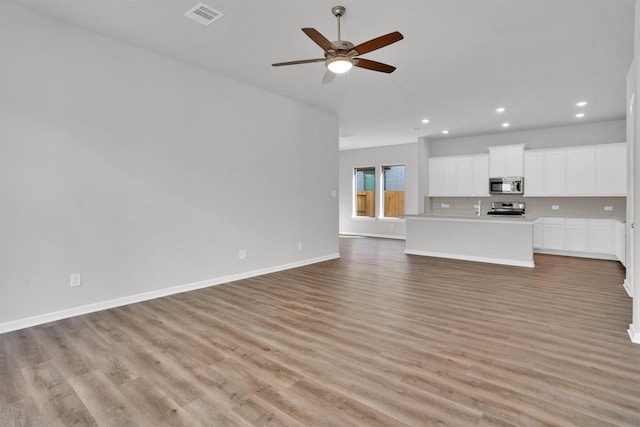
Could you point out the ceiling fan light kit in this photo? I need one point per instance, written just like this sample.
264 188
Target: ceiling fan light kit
339 65
341 55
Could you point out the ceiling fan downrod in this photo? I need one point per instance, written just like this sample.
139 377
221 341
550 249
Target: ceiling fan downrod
338 11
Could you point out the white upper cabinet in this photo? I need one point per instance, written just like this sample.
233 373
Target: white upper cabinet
554 173
459 176
596 170
464 176
481 175
442 176
544 172
581 171
534 173
611 167
506 160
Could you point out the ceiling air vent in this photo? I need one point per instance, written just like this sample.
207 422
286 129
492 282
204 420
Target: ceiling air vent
203 14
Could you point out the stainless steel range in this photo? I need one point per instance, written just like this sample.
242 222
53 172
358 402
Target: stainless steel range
507 208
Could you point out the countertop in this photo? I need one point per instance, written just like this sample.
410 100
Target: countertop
506 219
499 218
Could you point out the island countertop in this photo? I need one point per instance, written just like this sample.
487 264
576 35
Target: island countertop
507 241
473 218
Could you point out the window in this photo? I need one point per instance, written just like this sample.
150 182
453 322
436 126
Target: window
365 192
393 185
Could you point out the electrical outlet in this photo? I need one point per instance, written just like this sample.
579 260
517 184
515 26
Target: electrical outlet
75 280
242 254
444 205
299 246
555 207
334 193
608 208
392 226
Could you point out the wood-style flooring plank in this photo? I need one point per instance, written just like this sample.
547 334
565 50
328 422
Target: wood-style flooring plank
57 402
376 337
107 405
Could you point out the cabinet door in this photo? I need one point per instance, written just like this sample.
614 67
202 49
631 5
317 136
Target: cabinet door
497 158
611 170
581 171
534 173
576 234
554 173
507 160
435 174
442 176
513 161
464 176
481 175
553 233
600 236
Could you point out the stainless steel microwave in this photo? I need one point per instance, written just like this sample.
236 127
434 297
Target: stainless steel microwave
506 185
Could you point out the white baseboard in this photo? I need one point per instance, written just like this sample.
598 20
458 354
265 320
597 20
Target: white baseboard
634 334
608 257
132 299
381 236
627 287
516 263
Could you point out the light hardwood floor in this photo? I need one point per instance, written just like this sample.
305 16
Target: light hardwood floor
376 338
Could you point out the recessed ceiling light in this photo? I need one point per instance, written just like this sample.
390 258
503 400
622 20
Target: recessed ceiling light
500 110
581 103
505 125
425 120
445 132
580 115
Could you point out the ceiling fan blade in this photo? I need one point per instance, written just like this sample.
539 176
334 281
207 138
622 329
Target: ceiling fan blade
328 77
374 65
320 40
302 61
378 42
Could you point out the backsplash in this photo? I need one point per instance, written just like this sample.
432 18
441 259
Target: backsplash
578 207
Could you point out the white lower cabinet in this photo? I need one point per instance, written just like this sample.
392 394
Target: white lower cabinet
576 230
599 238
553 233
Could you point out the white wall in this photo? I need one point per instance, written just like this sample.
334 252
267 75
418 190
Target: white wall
143 173
405 154
634 148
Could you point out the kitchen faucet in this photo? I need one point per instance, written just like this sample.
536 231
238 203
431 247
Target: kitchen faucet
478 207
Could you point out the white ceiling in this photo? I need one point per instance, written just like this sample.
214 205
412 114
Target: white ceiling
459 61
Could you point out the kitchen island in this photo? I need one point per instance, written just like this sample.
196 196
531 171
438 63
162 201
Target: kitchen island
496 240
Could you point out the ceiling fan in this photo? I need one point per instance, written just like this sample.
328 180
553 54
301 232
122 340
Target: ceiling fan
340 56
